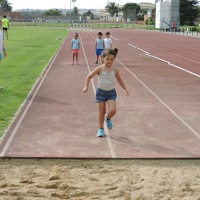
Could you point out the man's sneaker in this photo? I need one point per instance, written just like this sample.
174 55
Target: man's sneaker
72 63
100 132
77 63
108 122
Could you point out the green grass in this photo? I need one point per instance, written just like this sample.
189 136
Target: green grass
28 51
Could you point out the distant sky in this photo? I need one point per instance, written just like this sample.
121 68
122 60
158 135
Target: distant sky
48 4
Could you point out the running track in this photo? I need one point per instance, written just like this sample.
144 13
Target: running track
160 119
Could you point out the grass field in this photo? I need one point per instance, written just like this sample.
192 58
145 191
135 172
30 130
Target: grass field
28 51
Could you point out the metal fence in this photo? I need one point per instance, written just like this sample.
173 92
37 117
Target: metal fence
77 23
189 31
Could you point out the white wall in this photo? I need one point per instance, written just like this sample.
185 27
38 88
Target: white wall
169 11
163 10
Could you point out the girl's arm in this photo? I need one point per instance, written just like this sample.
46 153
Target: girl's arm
120 81
79 44
90 76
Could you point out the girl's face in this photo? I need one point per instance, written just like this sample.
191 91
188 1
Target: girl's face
108 60
76 36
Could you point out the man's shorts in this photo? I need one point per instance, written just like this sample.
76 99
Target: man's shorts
5 28
75 51
99 52
102 95
0 56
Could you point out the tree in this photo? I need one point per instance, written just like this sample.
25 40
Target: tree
5 6
198 11
89 13
144 11
112 8
53 12
129 7
188 11
75 11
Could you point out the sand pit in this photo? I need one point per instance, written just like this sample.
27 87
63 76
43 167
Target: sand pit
41 179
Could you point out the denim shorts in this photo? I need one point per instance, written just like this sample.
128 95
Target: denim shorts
99 52
102 95
0 56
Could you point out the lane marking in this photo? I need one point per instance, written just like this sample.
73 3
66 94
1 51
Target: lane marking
109 141
168 42
175 66
162 102
160 59
49 65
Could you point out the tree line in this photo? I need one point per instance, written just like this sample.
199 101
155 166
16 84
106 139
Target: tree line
189 10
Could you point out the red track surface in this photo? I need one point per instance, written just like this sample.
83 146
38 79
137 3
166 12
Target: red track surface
160 119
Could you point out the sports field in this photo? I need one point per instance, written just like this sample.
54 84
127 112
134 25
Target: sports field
162 75
160 119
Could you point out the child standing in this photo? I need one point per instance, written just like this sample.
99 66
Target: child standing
99 46
75 46
108 41
5 25
106 89
2 47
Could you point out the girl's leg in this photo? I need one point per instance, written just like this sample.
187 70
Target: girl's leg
102 111
111 108
76 57
73 56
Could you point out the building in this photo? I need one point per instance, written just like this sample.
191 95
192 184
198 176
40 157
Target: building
145 5
105 16
166 12
12 15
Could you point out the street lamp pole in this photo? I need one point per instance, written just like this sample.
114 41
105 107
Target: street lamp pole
117 14
70 10
149 14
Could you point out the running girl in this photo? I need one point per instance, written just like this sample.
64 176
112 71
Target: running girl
106 89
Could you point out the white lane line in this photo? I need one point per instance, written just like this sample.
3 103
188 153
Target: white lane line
192 73
159 99
146 52
169 63
157 58
3 152
112 151
175 66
